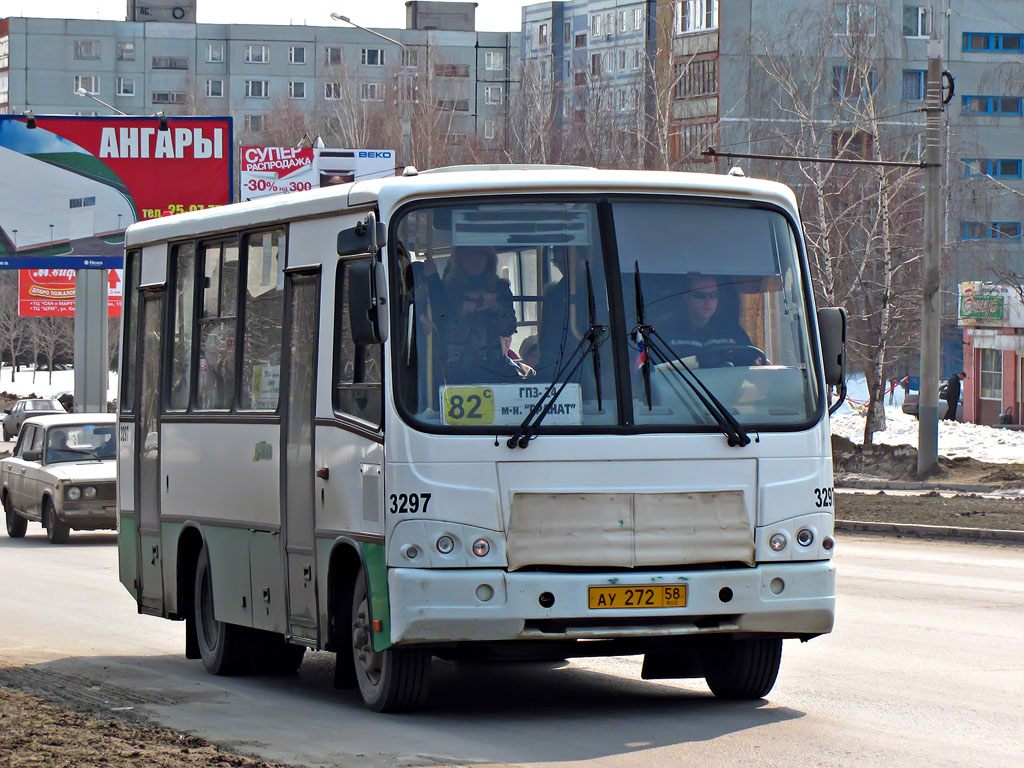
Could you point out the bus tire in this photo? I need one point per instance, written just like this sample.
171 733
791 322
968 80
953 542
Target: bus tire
223 647
16 524
393 680
741 669
56 531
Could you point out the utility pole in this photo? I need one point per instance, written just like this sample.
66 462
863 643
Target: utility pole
931 294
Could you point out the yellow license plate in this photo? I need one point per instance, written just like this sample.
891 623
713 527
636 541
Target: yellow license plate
468 405
660 596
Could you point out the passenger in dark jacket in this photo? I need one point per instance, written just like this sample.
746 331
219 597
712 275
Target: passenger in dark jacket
473 312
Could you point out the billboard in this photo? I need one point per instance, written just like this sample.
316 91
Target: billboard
276 170
91 177
51 292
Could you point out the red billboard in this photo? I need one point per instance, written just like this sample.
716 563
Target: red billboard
91 177
50 292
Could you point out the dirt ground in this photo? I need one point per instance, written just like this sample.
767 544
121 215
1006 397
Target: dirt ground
36 734
885 462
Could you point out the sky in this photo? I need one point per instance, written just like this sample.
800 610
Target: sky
491 15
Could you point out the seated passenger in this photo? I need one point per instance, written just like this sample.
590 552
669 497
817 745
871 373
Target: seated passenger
475 319
57 448
699 325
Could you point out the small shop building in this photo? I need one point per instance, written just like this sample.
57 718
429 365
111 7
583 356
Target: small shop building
992 318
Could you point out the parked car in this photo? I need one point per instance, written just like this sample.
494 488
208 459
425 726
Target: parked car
62 474
23 409
912 400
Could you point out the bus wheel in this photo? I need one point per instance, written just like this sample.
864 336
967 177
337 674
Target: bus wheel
741 669
56 531
16 524
391 680
222 646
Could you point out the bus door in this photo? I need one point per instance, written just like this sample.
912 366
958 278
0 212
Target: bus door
149 568
299 382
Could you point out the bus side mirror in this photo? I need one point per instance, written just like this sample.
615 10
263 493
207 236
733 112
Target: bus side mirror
367 303
367 236
832 329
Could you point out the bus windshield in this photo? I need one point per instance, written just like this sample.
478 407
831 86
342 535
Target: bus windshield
495 301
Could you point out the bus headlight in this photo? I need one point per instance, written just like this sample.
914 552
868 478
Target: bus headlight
74 494
805 537
445 545
481 547
777 542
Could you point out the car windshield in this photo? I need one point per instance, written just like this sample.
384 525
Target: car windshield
43 405
494 301
79 442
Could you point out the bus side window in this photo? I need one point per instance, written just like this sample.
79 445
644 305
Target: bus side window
357 369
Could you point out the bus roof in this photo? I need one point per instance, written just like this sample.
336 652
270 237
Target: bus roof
391 191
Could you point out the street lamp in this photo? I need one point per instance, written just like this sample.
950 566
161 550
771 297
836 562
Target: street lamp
15 238
86 94
402 95
51 239
119 221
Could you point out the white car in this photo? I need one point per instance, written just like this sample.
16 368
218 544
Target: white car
62 474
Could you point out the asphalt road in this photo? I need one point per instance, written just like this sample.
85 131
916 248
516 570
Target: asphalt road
925 668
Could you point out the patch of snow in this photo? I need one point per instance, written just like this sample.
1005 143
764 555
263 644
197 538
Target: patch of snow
63 381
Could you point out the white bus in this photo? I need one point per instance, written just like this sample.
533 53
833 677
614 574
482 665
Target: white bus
520 413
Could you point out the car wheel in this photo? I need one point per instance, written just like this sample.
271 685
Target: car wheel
16 524
392 680
56 531
222 646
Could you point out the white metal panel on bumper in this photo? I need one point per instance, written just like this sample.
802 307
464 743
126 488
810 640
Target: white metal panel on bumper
444 605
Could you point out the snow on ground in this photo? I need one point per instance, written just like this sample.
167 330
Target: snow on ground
42 386
955 439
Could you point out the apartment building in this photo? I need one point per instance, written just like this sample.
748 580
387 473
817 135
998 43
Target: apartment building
159 59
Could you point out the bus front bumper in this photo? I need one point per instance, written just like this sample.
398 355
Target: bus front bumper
794 599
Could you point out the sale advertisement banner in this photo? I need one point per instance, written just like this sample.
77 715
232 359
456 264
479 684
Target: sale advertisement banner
51 292
84 180
273 170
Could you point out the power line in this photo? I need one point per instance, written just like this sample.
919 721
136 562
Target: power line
712 152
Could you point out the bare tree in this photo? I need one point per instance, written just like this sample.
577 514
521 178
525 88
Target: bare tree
12 330
50 338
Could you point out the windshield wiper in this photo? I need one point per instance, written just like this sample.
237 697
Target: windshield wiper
655 345
589 344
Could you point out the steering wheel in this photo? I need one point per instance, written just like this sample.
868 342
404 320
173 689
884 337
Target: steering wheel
729 355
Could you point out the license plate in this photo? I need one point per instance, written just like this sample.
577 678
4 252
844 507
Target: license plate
660 596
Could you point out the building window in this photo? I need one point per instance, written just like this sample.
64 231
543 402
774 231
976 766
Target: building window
170 97
855 19
87 49
372 57
913 84
567 32
579 78
257 89
916 20
622 59
991 105
625 25
851 83
215 53
492 94
595 64
297 54
489 129
852 144
638 59
297 89
453 105
170 62
542 35
254 123
990 366
332 91
81 202
494 60
696 78
581 40
998 169
257 54
990 230
125 86
451 70
409 58
694 15
455 138
693 138
369 92
215 88
125 50
91 84
332 55
998 42
638 18
595 25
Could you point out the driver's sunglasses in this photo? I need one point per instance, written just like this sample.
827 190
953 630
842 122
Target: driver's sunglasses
705 295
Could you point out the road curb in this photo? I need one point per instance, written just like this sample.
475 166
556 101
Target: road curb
932 531
913 485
